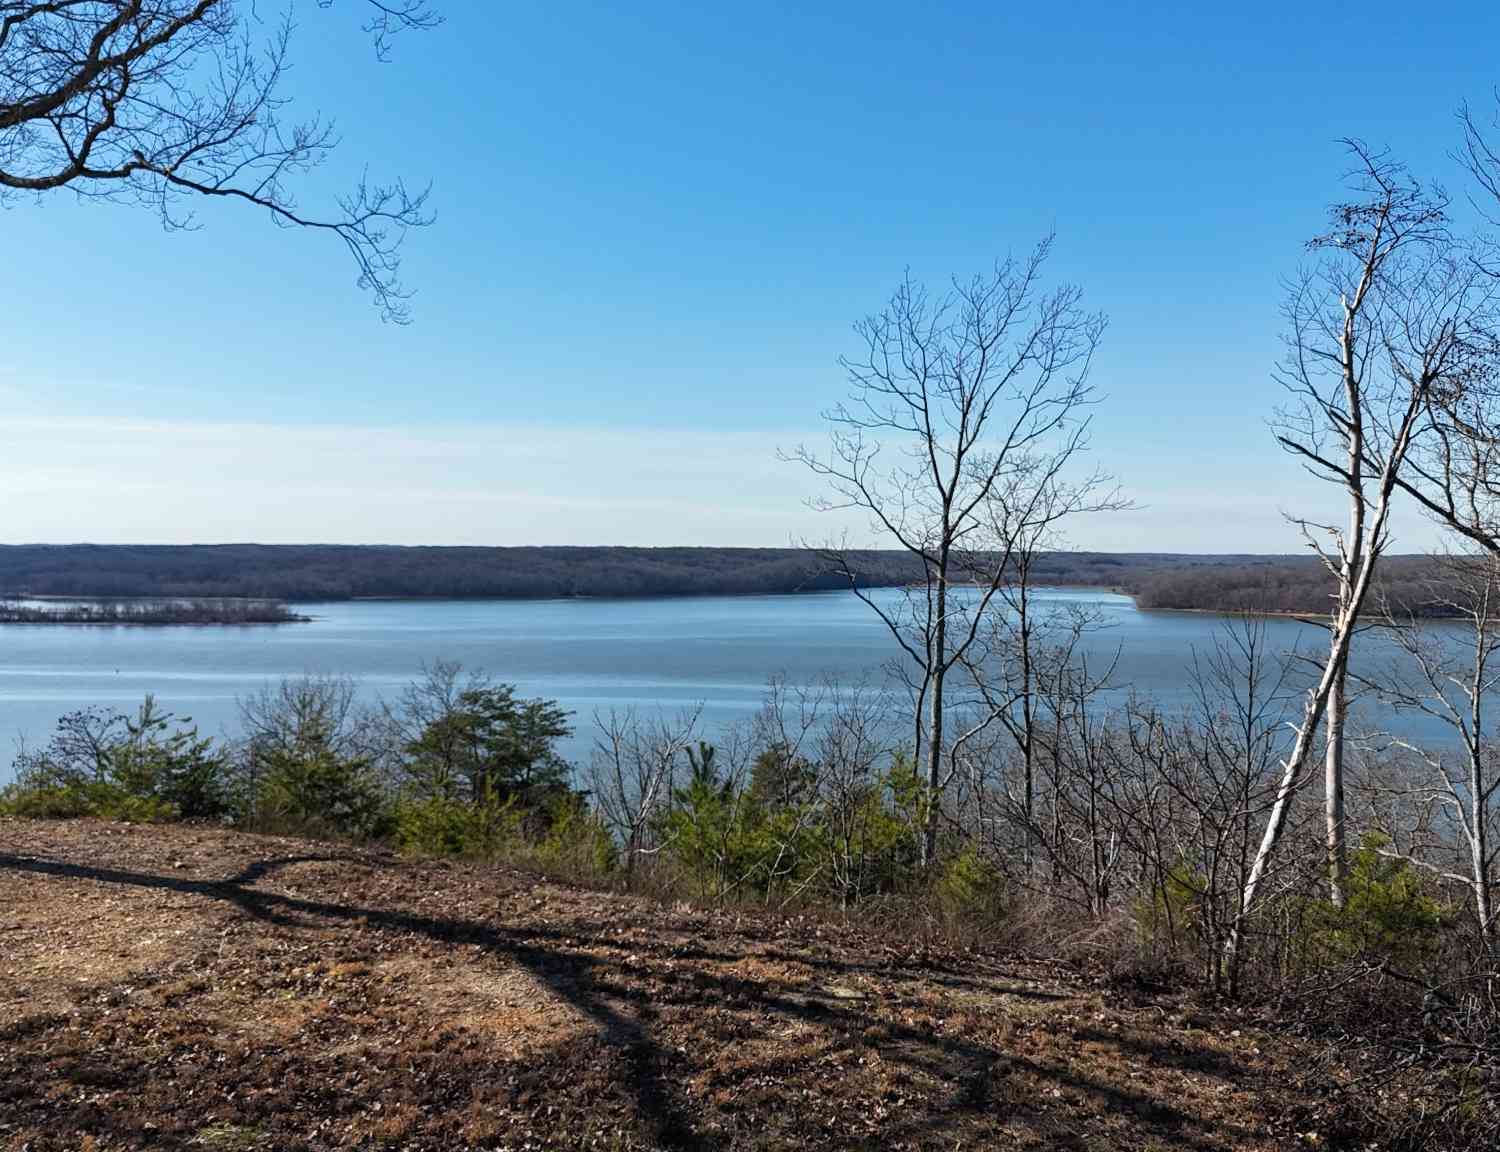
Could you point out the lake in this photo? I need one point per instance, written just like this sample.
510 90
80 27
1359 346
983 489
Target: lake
591 655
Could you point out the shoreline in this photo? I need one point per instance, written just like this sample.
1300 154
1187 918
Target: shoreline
154 623
145 612
46 619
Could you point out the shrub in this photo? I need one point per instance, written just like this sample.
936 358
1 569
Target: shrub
435 826
577 842
38 798
706 829
1388 914
1170 906
969 893
315 790
442 826
117 767
173 766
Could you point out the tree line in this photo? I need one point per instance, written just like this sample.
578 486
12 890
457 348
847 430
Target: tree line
339 572
1300 586
1229 583
219 610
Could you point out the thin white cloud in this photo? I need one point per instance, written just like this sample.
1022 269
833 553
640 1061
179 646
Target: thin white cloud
168 481
105 480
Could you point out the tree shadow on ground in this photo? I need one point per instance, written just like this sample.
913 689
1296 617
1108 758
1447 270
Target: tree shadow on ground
982 1084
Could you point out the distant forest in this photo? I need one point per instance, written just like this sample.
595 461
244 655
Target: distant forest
1294 584
339 572
1297 585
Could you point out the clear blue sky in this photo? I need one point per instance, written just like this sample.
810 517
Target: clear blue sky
656 224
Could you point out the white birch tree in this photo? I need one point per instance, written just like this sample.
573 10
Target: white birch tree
1379 328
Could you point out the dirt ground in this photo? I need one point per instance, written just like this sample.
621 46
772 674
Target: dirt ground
177 987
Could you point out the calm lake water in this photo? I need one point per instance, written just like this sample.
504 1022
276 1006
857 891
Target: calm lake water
591 655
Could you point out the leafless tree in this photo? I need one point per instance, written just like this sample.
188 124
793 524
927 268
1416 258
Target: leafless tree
303 716
785 731
1079 772
305 710
1454 683
1374 332
81 744
1049 773
634 766
1217 773
1454 473
162 101
1014 656
417 718
950 398
852 747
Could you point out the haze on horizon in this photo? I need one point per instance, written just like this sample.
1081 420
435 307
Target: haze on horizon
641 277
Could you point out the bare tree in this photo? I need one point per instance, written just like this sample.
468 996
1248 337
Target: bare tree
1454 686
161 101
1013 659
1077 770
852 748
312 720
1372 335
634 767
785 731
949 399
1454 473
1218 772
310 710
428 733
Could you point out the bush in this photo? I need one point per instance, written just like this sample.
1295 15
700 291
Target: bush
969 894
1167 909
184 774
39 795
1388 914
116 767
38 801
315 790
436 826
577 842
70 799
707 831
441 826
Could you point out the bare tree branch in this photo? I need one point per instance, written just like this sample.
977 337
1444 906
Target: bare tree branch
158 102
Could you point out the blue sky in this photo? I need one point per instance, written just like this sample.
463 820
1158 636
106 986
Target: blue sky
655 226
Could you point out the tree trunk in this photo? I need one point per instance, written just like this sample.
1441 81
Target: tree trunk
1352 558
1291 780
935 721
1479 853
1028 740
1333 785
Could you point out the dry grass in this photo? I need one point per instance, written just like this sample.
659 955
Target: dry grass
187 988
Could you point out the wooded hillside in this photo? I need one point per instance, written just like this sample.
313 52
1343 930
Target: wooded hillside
1300 585
333 572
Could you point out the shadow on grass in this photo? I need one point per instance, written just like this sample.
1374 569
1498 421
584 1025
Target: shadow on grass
983 1085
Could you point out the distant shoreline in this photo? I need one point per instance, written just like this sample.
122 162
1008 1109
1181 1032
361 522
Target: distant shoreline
111 612
1294 586
209 618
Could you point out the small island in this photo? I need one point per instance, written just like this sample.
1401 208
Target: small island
219 610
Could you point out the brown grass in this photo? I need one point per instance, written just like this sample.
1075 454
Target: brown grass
172 987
